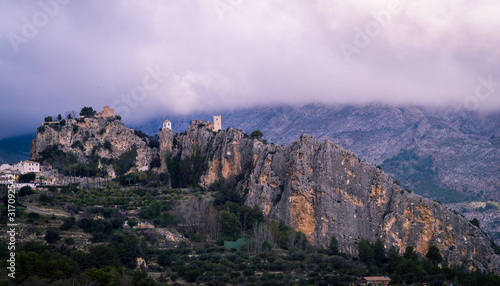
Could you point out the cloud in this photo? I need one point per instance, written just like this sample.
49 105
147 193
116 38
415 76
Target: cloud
249 53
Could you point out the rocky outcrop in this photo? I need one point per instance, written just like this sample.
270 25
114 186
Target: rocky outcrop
103 136
322 190
464 147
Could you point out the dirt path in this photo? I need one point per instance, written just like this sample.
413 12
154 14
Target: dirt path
46 212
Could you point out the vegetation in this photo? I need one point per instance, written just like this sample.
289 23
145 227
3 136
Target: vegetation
256 134
269 253
87 111
411 169
126 161
187 172
27 178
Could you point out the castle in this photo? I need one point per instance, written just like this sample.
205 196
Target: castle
106 112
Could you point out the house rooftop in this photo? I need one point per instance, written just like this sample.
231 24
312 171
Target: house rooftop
166 121
377 278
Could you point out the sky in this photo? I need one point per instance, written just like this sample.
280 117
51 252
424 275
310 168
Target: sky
151 58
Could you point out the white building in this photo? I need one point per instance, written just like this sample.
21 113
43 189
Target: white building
4 167
27 167
167 124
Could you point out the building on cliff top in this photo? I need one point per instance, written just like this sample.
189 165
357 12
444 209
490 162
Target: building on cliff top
167 124
217 125
106 112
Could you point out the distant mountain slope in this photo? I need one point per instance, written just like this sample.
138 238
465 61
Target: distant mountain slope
449 156
15 149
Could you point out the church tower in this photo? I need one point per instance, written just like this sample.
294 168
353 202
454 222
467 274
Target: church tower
167 124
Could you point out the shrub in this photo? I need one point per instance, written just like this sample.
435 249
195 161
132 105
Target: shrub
26 191
68 223
475 222
52 236
27 178
107 145
256 134
87 111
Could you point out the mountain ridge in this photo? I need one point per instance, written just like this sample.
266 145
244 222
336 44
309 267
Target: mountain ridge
463 146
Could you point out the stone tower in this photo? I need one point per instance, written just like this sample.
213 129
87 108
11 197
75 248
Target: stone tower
217 123
167 124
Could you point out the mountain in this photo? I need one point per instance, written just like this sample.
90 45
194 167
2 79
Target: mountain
15 149
321 189
95 145
451 156
317 188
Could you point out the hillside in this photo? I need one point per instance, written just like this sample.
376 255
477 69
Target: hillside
93 146
322 190
443 155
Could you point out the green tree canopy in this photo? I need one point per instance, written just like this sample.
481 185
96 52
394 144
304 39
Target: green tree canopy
366 253
52 236
87 111
334 245
434 255
256 134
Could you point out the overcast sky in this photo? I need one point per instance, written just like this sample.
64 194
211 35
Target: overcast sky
150 58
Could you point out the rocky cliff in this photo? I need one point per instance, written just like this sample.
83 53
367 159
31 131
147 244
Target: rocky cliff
442 154
322 190
87 138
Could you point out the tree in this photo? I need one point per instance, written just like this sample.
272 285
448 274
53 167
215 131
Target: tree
48 119
87 111
475 222
230 224
27 178
434 255
334 245
379 251
256 134
52 236
59 117
26 191
132 222
410 253
366 253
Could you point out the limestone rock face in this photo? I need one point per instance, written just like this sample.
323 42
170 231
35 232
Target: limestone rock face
84 136
322 190
166 145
